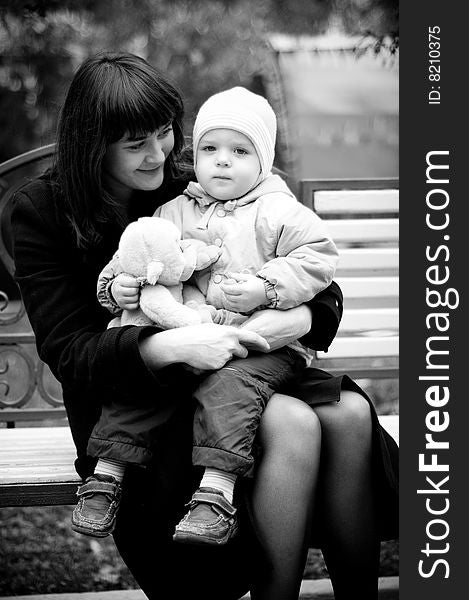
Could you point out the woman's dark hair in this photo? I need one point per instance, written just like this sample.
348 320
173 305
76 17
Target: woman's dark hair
111 95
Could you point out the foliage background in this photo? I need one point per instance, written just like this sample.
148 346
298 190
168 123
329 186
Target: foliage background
204 45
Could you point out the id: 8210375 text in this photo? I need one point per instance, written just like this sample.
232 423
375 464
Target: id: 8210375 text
434 64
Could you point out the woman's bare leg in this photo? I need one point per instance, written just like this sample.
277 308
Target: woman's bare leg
283 493
346 497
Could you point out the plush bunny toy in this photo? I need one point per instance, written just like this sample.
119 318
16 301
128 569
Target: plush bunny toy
151 250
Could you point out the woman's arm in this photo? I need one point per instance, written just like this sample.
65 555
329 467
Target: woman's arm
315 323
327 309
206 347
280 327
58 289
58 286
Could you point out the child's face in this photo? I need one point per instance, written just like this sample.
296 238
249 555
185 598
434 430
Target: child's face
137 164
227 164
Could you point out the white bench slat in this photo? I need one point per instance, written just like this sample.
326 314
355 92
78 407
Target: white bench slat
357 320
368 259
363 230
37 455
355 347
47 474
369 287
356 201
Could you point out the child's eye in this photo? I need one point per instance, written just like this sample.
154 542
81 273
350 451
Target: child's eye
241 151
208 148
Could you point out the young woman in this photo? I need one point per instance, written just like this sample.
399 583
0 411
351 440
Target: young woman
326 474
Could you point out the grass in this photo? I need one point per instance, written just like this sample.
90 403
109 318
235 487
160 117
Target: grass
39 554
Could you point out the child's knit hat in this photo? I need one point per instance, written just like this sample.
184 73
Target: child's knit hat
240 110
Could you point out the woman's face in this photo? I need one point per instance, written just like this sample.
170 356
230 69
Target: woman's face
137 164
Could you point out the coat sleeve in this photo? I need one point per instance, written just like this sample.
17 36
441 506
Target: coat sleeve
105 280
306 257
326 309
69 323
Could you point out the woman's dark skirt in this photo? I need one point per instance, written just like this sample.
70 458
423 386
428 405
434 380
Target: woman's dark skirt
319 387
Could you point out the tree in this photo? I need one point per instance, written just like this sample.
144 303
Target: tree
204 46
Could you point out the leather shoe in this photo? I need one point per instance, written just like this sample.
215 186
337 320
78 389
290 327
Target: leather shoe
211 520
98 503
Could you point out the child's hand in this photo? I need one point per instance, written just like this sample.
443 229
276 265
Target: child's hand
244 292
126 291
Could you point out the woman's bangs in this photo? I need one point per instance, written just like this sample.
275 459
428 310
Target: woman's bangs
138 113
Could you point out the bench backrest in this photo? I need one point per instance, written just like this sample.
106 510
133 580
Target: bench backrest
362 216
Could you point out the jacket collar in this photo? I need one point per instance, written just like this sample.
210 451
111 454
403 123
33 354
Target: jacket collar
271 184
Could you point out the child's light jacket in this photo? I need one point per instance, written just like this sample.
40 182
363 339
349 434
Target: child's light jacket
267 233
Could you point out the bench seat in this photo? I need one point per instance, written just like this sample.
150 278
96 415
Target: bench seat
36 465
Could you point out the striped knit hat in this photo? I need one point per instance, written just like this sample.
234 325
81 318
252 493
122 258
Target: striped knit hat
240 110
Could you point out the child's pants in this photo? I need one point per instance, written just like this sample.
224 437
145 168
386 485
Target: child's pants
230 404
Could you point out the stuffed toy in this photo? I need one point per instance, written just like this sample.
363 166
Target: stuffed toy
151 250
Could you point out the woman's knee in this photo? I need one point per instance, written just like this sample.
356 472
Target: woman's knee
352 415
289 421
354 409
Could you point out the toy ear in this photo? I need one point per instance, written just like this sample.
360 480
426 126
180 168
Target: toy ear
154 270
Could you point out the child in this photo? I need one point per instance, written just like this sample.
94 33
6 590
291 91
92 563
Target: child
275 254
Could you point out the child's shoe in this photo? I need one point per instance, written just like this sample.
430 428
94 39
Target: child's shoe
211 519
95 513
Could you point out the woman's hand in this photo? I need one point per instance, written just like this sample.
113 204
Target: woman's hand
125 290
205 347
280 327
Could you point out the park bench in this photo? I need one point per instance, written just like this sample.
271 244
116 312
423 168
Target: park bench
36 449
